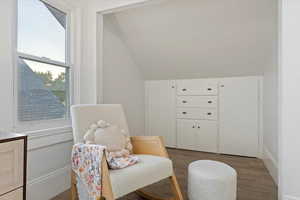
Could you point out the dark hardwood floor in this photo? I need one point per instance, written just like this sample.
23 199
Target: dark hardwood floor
254 181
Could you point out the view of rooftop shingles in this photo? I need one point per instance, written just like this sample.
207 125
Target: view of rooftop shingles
36 102
59 15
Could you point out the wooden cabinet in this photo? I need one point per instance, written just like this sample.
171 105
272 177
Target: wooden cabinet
14 195
12 162
13 166
160 110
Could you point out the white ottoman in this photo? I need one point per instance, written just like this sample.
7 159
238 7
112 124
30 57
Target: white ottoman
211 180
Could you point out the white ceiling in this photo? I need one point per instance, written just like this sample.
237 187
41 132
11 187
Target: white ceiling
201 38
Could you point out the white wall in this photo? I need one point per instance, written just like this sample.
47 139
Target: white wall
271 119
88 72
91 61
48 164
289 100
197 39
271 96
6 63
123 82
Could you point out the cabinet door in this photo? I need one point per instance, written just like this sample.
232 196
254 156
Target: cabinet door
14 195
207 136
186 134
239 116
11 168
160 110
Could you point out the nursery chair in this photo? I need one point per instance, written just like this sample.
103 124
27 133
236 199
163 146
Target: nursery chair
154 163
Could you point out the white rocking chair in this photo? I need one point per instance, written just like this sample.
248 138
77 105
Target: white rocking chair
154 164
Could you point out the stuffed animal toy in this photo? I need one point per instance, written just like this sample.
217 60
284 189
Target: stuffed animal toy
115 139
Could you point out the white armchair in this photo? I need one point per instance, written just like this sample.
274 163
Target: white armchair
154 163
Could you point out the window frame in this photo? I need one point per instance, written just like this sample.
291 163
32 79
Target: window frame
38 126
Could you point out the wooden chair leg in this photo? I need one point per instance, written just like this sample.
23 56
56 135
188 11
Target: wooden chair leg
175 188
107 192
177 195
73 186
148 196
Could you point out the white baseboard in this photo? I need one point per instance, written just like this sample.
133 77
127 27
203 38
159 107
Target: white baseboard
49 185
287 197
271 164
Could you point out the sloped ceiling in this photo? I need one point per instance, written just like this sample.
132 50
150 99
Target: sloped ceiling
200 38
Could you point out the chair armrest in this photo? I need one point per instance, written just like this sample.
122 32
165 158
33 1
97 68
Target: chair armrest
152 145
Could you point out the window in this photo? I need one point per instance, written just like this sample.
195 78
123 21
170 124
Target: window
42 64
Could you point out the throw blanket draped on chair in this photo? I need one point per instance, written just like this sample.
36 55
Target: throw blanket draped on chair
86 163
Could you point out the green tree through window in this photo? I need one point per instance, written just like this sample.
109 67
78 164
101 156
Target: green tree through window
56 85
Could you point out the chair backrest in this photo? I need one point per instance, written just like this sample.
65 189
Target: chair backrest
84 115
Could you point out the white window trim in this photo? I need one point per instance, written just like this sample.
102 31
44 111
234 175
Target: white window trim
49 126
43 60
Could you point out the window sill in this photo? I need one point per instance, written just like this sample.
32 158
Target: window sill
47 132
48 137
36 128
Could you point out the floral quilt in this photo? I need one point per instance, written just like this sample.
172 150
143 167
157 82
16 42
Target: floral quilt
86 163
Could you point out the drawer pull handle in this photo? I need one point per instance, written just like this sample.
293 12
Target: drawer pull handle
193 126
183 89
209 89
184 113
198 126
209 102
184 101
209 113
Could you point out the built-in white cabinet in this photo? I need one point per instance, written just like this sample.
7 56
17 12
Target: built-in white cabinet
199 135
197 114
212 115
160 110
239 116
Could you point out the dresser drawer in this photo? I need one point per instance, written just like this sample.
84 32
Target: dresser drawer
14 195
197 87
197 113
12 164
197 101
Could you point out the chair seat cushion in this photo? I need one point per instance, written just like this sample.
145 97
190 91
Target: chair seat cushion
150 169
